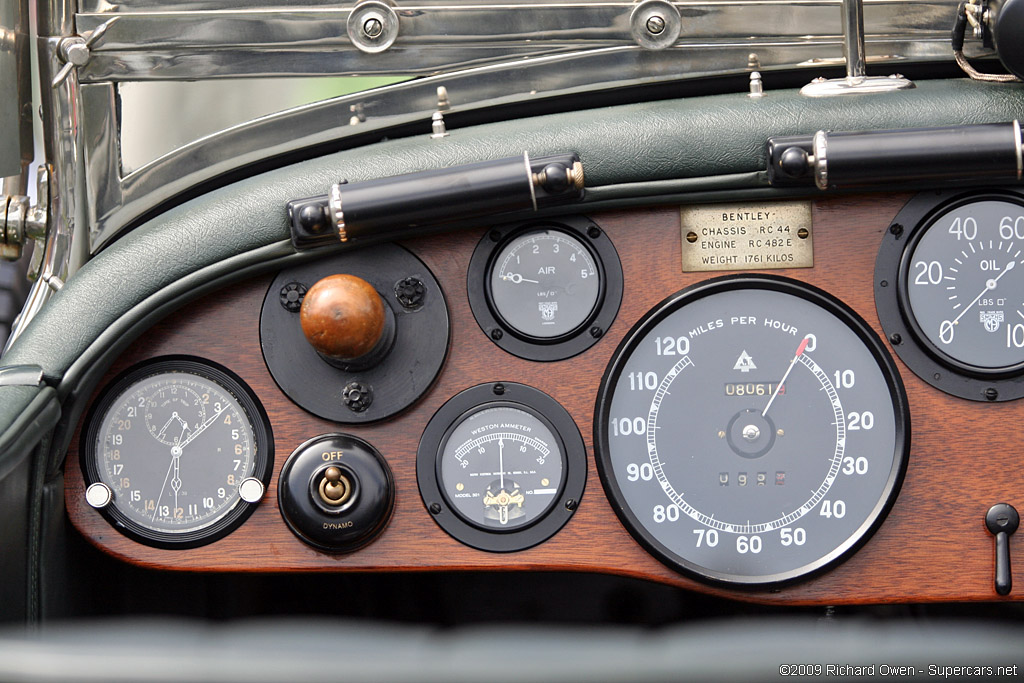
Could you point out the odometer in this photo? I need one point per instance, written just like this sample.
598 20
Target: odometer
783 472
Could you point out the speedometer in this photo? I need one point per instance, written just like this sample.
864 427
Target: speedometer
751 430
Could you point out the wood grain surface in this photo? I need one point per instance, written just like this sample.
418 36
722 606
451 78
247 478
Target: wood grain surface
932 547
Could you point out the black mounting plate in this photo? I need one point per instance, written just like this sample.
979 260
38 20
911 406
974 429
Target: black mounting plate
421 338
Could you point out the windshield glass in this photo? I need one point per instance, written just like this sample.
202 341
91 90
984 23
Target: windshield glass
158 117
178 92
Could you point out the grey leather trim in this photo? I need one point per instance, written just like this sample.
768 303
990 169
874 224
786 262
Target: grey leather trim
26 413
159 650
38 411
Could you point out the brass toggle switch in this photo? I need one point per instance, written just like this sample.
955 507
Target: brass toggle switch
335 488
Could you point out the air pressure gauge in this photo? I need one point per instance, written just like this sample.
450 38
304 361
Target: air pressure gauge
544 283
545 291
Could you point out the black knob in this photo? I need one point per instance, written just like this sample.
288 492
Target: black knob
793 163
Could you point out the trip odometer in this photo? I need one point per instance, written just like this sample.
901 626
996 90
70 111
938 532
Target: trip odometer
751 430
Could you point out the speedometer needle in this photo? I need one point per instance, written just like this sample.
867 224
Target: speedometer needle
799 352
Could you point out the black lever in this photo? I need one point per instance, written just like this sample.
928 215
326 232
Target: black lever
1002 520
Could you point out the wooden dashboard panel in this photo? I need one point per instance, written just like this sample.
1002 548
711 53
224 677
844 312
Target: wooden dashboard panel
932 547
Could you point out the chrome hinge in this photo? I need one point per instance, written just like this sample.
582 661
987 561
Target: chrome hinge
23 222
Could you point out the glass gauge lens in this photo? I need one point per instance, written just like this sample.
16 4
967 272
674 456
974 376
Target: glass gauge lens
173 441
963 284
501 467
751 430
544 284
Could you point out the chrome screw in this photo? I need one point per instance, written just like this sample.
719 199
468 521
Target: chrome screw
655 24
372 28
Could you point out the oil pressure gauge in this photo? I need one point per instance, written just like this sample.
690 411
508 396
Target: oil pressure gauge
545 291
501 466
950 292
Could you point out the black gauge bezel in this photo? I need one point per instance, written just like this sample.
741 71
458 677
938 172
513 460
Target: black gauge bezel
831 305
522 397
577 340
254 413
908 340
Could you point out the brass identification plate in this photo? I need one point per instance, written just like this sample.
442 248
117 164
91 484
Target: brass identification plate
753 236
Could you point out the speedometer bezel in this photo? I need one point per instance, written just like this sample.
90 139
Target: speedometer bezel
846 315
263 458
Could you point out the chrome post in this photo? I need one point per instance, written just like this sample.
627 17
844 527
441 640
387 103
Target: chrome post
853 38
857 81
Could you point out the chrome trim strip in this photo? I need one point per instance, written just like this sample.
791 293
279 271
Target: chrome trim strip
529 180
821 160
218 43
21 376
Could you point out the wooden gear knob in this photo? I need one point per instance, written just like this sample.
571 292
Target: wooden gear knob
343 317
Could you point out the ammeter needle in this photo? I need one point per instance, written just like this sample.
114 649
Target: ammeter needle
799 352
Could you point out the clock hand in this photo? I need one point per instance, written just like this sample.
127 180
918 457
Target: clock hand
202 428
